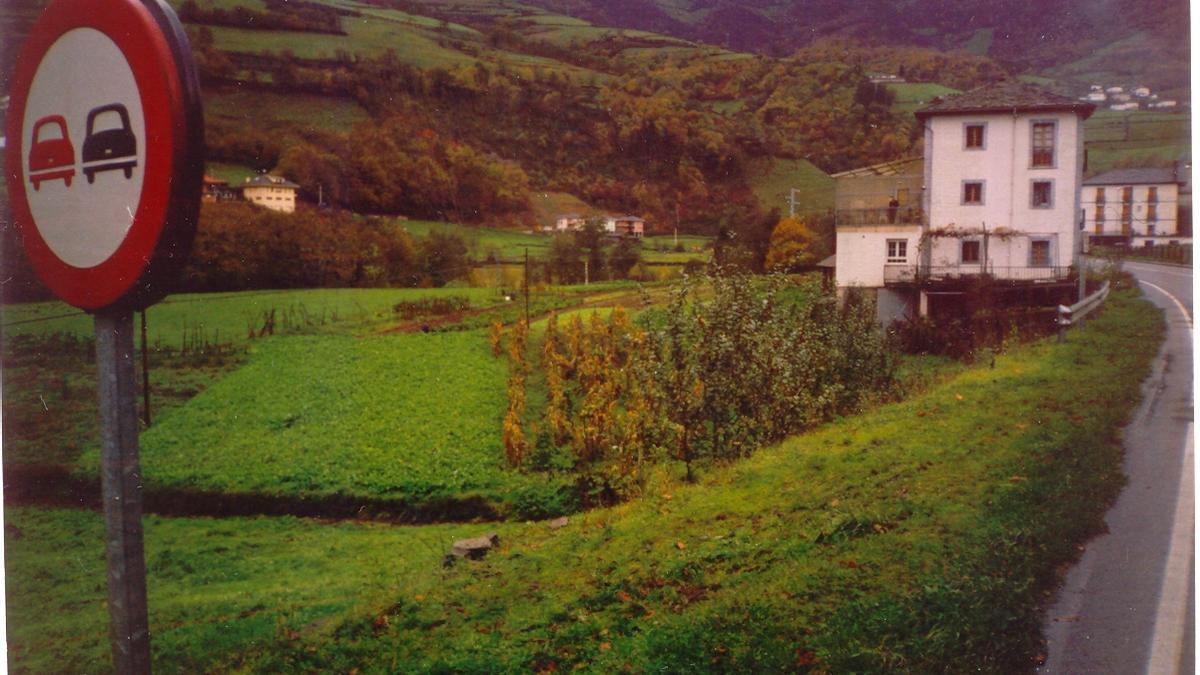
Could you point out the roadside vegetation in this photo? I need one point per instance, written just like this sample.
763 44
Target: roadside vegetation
921 535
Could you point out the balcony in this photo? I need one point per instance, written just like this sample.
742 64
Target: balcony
922 275
902 215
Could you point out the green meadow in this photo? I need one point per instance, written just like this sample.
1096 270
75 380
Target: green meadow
918 536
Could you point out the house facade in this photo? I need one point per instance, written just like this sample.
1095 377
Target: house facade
272 192
625 226
1133 207
568 222
999 197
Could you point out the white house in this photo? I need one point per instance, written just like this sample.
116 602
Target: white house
1142 92
1133 207
625 226
272 192
568 222
1097 97
1001 172
1131 105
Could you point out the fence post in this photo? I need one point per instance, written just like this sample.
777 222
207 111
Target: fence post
1063 321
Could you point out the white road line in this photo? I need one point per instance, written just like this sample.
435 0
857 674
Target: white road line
1171 617
1182 308
1158 269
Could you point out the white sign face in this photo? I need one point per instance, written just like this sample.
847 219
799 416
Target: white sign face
84 139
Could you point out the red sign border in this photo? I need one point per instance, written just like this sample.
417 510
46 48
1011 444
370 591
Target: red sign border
142 268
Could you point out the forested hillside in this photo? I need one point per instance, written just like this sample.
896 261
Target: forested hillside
1077 39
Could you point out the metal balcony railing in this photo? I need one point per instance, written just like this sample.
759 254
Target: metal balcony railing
929 274
901 215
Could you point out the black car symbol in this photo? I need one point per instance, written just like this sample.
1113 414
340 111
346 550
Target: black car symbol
109 149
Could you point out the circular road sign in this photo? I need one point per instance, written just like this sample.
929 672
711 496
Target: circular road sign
105 150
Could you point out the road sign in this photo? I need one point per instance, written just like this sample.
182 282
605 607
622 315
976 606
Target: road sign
105 150
104 163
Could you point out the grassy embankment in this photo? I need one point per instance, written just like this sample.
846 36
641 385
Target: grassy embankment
921 536
1136 138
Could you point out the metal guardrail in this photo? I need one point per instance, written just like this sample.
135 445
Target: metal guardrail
1073 315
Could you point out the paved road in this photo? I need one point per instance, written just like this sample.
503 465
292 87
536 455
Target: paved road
1128 606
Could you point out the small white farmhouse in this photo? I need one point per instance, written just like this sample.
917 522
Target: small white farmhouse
272 192
1001 172
1133 207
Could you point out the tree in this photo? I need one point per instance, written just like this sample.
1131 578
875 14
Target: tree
565 259
443 258
793 243
624 256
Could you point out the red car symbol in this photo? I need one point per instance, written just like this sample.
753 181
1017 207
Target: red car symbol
51 158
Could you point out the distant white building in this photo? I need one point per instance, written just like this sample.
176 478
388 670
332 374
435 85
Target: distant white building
1115 90
1001 174
1165 103
1131 105
272 192
1133 207
1096 96
1142 92
625 226
568 222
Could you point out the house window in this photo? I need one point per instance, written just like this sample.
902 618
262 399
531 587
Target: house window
971 250
1043 144
1039 253
1152 195
973 136
1152 213
897 250
1099 214
1099 195
972 192
1127 195
1042 195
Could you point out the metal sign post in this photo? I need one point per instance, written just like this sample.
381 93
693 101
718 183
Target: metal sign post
121 484
104 163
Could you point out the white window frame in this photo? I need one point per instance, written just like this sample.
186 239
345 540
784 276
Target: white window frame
901 248
1033 125
962 258
1049 251
1033 193
962 193
983 136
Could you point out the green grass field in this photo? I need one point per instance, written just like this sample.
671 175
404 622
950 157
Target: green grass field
773 183
235 174
1132 138
276 111
229 317
408 417
922 533
913 95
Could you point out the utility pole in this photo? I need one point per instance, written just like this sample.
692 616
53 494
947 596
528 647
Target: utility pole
676 242
526 285
585 271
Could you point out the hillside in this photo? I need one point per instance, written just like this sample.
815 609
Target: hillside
1077 40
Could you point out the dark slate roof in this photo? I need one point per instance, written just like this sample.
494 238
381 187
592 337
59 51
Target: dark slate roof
1005 96
263 180
1135 176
